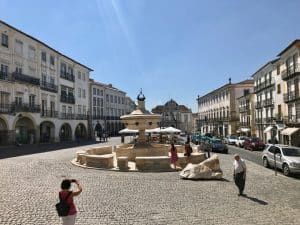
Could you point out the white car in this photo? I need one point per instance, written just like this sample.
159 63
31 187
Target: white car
240 141
230 139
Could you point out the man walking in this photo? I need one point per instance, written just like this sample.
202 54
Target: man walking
239 173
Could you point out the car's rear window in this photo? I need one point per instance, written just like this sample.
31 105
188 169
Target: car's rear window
291 151
217 142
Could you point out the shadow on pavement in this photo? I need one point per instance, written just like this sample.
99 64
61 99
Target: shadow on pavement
261 202
14 151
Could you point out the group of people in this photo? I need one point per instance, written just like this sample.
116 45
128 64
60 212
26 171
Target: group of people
239 176
100 133
239 165
174 156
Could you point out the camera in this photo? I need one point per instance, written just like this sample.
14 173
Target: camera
73 181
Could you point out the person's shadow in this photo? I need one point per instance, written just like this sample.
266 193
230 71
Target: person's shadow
255 200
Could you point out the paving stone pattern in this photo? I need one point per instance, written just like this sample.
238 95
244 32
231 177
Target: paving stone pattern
30 185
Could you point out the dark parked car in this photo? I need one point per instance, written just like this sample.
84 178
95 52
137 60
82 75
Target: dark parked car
254 144
217 145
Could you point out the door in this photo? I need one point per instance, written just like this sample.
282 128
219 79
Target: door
270 155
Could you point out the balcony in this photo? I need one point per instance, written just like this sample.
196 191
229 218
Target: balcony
244 109
25 107
67 116
49 114
290 72
269 102
25 78
290 97
245 124
259 120
67 76
117 118
49 87
261 86
81 116
67 99
258 105
72 116
5 108
98 117
292 119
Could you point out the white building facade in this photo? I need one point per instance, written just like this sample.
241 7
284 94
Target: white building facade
218 111
288 84
107 105
264 88
43 93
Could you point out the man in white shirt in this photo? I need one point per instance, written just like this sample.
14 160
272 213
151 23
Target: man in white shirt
239 173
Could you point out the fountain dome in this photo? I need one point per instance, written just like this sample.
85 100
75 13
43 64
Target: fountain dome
141 119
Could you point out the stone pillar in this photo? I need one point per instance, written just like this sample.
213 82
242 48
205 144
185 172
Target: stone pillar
142 136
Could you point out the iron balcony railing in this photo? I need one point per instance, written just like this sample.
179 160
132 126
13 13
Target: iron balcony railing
290 96
98 117
25 78
5 108
258 105
81 116
72 116
49 113
69 116
268 102
49 87
245 124
291 119
290 72
67 76
244 109
19 77
67 99
25 107
266 84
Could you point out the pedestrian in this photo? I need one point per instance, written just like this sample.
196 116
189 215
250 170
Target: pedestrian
188 151
239 173
67 194
174 156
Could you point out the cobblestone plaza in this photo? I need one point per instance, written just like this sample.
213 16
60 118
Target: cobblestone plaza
30 185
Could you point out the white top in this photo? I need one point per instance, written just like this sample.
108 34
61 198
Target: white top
239 166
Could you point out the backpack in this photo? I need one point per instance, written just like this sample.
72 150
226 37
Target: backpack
62 207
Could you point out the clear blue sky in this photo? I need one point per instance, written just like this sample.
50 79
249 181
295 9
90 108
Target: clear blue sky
171 48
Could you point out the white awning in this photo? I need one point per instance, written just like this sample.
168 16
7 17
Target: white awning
245 129
128 131
170 130
289 131
268 129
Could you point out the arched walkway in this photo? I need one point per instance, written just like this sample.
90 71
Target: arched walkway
25 131
47 132
80 132
3 132
65 132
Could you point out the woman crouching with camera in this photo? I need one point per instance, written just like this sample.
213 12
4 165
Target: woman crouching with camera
67 195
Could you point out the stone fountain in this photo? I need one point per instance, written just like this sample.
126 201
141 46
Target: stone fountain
141 119
142 155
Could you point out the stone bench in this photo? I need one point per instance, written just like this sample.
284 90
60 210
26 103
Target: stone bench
103 150
100 161
122 163
81 158
153 163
